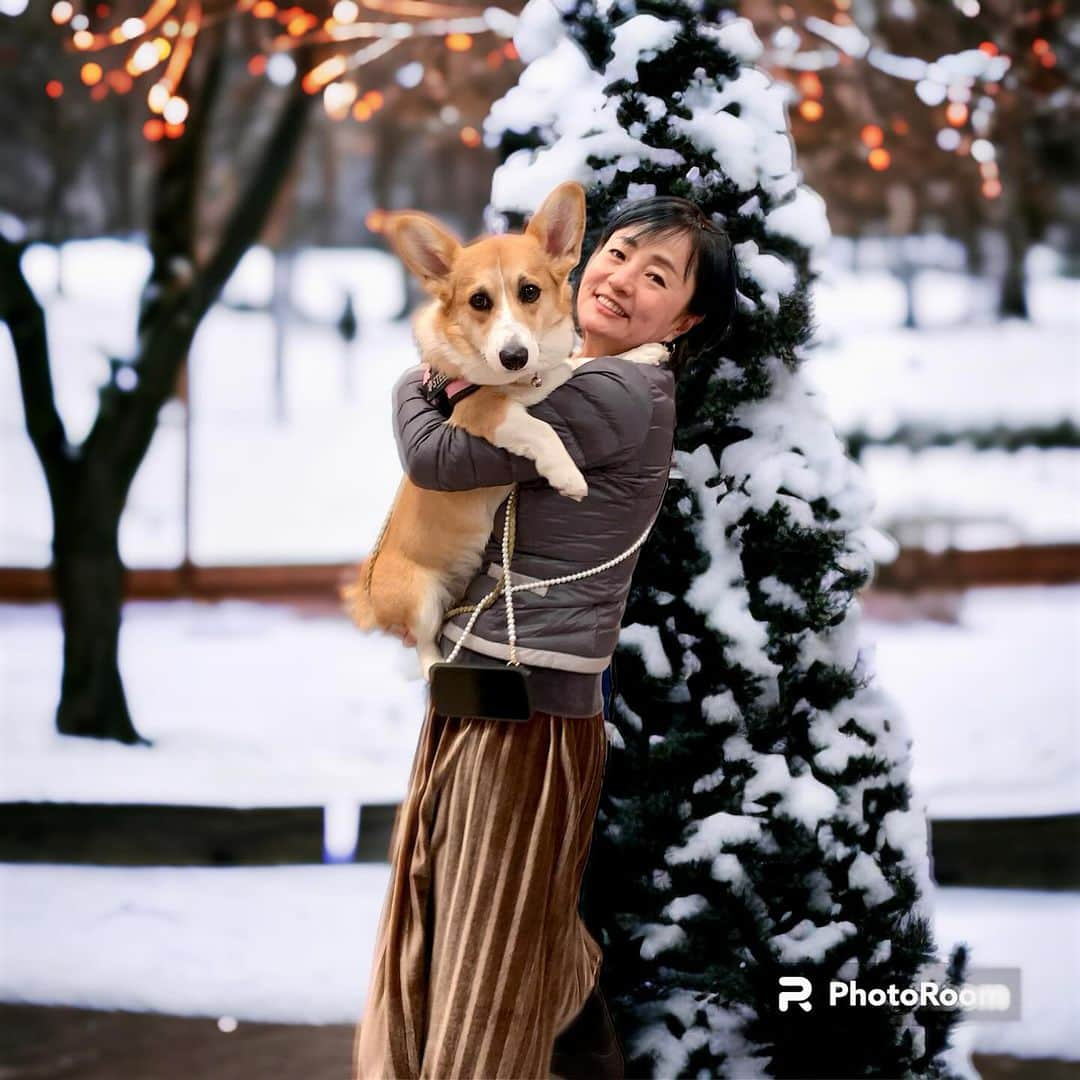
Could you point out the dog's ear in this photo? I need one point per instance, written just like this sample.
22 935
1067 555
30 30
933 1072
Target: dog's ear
424 246
559 225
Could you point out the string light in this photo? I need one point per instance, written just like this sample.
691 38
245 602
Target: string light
164 33
810 84
338 98
54 88
957 114
323 73
175 112
143 59
879 159
872 136
811 110
158 97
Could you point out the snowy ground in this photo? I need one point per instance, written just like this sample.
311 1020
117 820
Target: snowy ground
315 486
101 937
254 705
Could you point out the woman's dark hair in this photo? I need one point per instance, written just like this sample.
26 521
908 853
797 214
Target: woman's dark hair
711 261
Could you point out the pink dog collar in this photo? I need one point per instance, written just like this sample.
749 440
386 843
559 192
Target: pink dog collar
439 386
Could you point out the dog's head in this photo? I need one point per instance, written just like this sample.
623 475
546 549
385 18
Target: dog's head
502 304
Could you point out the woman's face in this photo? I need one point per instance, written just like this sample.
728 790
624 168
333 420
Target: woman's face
633 292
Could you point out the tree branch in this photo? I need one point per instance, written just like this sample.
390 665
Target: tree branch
254 205
167 337
25 321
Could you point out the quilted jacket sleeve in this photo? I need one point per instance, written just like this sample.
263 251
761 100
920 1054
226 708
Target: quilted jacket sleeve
602 415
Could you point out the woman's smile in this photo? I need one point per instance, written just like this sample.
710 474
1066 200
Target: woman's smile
610 306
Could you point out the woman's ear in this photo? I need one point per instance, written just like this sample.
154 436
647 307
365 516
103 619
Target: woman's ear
683 323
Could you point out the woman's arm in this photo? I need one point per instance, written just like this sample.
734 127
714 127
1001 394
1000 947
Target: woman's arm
601 415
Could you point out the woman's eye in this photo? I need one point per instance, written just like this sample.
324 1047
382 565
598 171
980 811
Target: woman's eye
529 294
658 279
480 301
616 252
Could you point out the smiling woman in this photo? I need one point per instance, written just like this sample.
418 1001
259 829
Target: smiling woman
483 965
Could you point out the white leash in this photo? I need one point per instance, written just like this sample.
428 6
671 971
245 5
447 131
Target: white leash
509 523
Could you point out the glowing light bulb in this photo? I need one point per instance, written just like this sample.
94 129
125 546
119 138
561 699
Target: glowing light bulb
143 59
879 159
175 111
158 97
872 136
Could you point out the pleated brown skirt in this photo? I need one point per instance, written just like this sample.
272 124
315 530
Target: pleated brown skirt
481 957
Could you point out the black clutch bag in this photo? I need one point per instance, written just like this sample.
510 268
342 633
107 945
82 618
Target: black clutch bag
481 690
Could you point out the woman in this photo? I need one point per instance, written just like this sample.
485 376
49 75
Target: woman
481 958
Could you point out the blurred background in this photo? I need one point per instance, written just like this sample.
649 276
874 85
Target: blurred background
205 877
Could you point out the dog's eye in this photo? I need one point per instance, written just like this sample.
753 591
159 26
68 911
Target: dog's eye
480 300
529 293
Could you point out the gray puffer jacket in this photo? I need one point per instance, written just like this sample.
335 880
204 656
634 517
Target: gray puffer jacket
617 420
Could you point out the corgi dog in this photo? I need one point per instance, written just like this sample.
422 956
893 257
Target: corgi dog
501 319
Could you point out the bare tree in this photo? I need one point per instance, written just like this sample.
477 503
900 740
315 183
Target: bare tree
88 483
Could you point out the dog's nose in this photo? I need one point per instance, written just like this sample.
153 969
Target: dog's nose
514 357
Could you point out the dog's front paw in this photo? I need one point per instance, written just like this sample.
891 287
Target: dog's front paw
651 353
569 482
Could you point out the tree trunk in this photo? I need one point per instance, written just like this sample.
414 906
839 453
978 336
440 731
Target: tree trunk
89 578
1012 300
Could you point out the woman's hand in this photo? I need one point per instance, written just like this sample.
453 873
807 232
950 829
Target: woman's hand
403 632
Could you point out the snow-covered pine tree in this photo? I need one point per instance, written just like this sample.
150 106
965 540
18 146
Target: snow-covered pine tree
757 820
